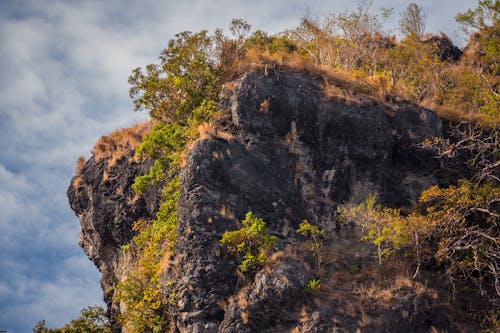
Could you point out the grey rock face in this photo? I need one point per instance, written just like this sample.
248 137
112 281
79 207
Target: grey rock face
445 49
293 153
271 305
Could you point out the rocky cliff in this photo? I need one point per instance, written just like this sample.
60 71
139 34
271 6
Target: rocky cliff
101 196
287 151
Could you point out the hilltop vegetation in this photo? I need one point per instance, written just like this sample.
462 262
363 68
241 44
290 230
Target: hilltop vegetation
453 230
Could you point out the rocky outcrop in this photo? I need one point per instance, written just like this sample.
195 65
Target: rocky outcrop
445 49
285 151
101 196
294 154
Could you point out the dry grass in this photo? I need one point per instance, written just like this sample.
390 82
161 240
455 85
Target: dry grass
365 319
114 145
264 106
349 86
76 181
207 131
133 198
80 162
354 87
105 176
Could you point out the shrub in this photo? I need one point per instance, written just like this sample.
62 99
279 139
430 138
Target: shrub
313 286
389 230
92 320
249 242
315 235
467 225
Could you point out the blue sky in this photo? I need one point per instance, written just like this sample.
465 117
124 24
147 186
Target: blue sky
63 83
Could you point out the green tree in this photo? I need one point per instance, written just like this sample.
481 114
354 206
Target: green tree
487 13
378 226
249 242
483 57
92 320
315 235
417 71
275 43
185 78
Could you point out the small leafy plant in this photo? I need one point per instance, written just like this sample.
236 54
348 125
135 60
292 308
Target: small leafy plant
249 243
313 286
315 235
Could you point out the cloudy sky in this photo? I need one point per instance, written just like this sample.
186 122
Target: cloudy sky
63 83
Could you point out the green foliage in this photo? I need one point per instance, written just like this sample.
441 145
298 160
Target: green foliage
307 229
313 286
92 320
374 221
140 292
185 77
485 14
277 43
471 90
388 230
315 235
249 242
418 69
460 229
180 93
145 304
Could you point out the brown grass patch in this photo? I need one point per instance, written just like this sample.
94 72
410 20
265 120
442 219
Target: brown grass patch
105 176
133 198
264 106
116 144
365 319
207 131
242 301
76 181
80 162
244 317
119 190
337 83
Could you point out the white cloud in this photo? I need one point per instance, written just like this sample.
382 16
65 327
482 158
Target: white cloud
10 194
72 282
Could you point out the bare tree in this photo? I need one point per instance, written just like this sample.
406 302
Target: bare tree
412 22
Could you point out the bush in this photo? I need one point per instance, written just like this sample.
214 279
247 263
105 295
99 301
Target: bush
92 320
467 225
389 230
315 235
249 243
313 286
